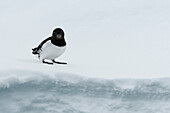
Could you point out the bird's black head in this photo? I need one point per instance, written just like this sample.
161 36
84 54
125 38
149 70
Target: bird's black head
58 37
58 33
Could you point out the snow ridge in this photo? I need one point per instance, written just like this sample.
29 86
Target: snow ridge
36 92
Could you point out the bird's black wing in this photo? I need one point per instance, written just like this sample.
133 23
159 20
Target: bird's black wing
36 49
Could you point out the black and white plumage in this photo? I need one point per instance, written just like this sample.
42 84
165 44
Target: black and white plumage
52 47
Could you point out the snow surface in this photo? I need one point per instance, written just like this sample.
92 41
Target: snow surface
118 53
66 93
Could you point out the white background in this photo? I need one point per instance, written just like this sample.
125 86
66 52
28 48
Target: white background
106 38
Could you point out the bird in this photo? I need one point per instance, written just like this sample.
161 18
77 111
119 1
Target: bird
51 48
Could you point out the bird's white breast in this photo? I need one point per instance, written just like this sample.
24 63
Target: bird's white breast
50 51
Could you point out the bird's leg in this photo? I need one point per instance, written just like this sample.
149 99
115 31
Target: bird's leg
47 62
59 62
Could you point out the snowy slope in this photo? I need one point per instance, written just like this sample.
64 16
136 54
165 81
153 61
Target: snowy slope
118 56
66 93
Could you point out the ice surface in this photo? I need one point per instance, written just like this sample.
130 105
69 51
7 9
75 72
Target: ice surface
32 92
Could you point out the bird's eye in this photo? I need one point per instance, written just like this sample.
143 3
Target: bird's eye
59 36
